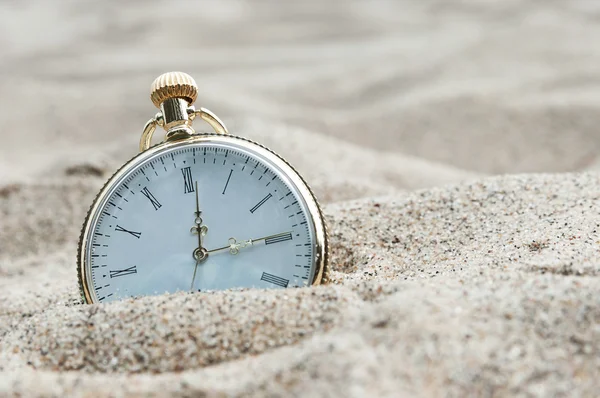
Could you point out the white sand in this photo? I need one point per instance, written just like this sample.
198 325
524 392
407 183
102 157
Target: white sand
447 281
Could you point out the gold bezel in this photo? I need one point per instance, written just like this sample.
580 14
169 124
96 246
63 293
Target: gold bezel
312 205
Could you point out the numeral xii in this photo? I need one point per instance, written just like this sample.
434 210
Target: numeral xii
188 184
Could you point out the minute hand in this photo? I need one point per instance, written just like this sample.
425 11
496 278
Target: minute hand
235 246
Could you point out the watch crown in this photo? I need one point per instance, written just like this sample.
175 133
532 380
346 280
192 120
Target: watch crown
173 85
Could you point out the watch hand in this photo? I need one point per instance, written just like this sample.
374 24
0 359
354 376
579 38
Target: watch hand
235 246
198 220
200 253
194 277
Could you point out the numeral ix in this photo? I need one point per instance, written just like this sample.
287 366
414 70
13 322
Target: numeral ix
123 272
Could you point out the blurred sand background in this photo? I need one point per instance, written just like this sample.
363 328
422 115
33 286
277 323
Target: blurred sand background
423 126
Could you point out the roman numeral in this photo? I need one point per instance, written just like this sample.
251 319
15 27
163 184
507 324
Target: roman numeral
278 238
123 272
151 198
227 183
274 280
269 196
121 229
188 184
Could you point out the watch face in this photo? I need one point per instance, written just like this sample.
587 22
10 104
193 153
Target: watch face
205 215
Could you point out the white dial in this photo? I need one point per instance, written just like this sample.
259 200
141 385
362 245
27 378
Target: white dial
254 224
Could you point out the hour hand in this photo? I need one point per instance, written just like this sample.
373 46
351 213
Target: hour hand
235 246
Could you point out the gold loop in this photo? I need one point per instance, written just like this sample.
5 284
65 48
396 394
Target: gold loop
146 139
211 119
202 113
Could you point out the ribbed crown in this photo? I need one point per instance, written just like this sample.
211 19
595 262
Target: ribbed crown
173 85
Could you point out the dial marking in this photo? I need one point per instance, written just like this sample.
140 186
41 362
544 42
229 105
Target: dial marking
278 238
123 272
274 280
142 170
121 229
262 202
227 183
188 185
151 198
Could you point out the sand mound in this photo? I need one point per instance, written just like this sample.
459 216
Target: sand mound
479 288
175 332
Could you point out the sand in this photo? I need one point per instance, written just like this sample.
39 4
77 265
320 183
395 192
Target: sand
453 146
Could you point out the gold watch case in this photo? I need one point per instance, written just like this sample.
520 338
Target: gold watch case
177 138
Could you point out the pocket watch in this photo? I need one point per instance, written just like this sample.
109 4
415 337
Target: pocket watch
198 212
